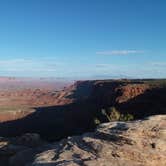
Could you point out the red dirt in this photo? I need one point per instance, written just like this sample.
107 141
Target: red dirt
14 115
18 96
32 98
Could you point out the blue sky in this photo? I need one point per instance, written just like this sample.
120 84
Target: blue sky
83 38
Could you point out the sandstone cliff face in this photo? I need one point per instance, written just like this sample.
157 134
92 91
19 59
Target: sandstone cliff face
131 97
131 91
138 143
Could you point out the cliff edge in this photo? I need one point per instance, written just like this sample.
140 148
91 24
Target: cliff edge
137 143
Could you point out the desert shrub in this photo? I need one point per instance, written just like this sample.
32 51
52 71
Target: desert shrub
127 117
97 121
113 114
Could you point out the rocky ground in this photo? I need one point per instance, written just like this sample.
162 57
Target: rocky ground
137 143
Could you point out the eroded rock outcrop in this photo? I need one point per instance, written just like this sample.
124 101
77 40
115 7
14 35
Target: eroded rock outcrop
137 143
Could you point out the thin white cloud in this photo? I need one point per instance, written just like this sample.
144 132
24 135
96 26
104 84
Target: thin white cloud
13 62
158 64
119 52
102 65
28 65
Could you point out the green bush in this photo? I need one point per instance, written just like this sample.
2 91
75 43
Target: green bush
127 117
113 114
97 121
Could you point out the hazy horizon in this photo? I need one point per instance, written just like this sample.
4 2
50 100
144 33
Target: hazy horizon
83 39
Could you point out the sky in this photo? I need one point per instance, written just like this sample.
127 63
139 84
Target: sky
83 38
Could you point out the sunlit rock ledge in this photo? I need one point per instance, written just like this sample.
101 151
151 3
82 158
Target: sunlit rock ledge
136 143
